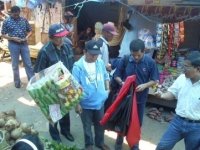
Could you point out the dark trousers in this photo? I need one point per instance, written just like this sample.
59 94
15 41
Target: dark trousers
64 127
120 139
91 117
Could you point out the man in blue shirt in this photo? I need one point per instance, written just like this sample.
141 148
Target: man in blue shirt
90 72
17 30
145 69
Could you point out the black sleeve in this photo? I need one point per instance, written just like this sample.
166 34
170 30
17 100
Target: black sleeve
41 61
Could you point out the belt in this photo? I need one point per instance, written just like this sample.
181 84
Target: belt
189 120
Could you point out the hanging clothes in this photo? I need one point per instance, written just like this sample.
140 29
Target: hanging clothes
133 129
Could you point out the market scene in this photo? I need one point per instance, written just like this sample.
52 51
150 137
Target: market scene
100 74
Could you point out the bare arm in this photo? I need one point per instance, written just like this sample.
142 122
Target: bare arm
168 96
16 39
119 80
107 85
29 34
142 87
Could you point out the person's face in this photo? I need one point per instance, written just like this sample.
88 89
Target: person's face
15 15
137 55
88 30
57 41
90 58
109 36
189 70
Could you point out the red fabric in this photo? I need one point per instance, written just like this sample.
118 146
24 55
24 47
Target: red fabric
133 134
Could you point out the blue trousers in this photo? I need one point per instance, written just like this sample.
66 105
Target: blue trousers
91 117
181 129
17 49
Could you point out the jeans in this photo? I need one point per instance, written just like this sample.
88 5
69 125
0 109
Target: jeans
120 139
17 49
64 127
91 117
181 129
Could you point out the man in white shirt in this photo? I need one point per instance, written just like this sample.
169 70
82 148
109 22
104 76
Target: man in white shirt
186 123
108 33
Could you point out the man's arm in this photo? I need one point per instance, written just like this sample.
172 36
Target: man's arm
167 96
142 87
107 85
28 35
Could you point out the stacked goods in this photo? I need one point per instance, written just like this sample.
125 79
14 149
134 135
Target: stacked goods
55 86
12 129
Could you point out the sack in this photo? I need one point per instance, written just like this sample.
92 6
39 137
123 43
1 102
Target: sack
134 124
120 119
55 91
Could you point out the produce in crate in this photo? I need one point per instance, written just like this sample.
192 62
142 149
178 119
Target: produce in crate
52 87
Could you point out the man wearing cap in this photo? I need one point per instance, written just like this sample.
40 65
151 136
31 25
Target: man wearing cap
52 52
17 30
108 31
91 73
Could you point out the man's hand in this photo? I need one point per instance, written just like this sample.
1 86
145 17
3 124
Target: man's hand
109 67
141 87
16 39
78 109
158 94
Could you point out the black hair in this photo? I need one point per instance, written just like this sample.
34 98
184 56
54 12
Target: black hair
24 146
194 58
137 45
15 9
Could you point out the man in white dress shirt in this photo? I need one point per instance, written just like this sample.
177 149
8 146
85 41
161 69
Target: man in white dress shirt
186 123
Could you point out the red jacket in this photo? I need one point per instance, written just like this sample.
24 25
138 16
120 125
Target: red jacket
133 134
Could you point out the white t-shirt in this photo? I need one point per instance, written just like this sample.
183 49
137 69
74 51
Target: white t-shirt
104 52
91 71
188 97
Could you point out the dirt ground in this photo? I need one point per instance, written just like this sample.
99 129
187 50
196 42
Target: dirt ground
27 111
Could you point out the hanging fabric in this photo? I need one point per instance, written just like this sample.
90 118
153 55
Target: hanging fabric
55 12
133 129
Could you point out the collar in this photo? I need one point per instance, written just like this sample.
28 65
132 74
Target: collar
131 59
54 47
104 40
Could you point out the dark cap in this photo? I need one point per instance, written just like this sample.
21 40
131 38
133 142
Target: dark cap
109 27
57 30
93 47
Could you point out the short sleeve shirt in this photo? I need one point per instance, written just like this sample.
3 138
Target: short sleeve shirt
16 27
188 97
145 70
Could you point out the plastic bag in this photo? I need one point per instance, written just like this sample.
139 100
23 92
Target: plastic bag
55 91
3 144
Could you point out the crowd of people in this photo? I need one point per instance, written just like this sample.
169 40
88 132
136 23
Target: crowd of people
92 71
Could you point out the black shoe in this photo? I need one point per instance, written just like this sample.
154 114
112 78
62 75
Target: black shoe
68 136
19 86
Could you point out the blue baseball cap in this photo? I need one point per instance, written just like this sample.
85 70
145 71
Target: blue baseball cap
57 30
93 47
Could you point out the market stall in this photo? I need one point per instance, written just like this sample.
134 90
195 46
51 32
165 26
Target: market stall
169 31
